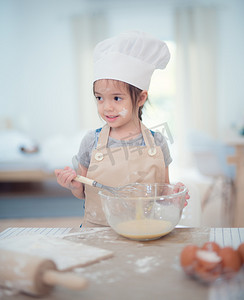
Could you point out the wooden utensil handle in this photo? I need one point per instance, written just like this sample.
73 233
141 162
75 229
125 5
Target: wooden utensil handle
68 280
84 180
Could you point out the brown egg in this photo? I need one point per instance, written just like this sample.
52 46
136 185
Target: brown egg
211 246
241 252
188 258
207 275
207 259
231 261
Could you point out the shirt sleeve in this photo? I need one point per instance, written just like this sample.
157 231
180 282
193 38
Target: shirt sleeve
85 150
161 141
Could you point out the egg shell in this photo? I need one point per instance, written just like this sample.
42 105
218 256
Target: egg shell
241 252
188 258
211 246
208 260
231 261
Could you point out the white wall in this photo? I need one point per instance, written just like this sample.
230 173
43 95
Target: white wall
231 66
38 73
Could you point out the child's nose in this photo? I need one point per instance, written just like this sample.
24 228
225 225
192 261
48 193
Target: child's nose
108 105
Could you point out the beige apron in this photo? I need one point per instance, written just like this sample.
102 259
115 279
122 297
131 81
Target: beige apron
118 166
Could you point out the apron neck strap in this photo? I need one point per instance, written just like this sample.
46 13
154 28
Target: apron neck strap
147 136
103 136
146 133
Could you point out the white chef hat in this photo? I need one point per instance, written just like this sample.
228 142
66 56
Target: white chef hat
131 57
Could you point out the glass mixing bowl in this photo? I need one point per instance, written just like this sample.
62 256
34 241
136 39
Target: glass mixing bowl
144 211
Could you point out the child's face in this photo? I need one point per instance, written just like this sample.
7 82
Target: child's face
114 103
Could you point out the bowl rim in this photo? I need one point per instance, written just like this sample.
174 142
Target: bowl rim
102 192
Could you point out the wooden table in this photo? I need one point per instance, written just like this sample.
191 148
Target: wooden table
238 160
144 270
35 175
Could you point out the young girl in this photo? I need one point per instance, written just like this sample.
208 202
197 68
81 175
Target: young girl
123 151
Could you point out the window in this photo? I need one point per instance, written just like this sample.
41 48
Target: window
162 96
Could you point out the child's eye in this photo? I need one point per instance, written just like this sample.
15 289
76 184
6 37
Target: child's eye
99 98
117 98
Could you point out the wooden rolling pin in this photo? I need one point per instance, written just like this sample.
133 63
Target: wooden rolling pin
34 275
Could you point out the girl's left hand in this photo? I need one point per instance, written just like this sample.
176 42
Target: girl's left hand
179 184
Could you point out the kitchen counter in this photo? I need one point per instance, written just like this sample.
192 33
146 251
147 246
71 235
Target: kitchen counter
144 270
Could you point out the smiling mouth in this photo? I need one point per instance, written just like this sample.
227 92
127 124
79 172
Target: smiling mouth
111 117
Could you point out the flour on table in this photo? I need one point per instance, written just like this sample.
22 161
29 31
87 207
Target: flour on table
146 264
105 276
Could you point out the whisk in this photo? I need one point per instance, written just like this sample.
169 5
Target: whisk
91 182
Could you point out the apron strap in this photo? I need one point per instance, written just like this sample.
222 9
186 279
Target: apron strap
146 133
147 136
103 137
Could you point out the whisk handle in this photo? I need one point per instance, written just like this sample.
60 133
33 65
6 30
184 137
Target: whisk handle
85 180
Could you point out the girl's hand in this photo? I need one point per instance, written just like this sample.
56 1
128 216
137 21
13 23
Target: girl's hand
179 184
66 176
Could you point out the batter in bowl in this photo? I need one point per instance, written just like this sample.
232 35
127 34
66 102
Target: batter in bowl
144 229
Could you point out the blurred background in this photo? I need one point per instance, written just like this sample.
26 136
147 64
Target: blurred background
47 103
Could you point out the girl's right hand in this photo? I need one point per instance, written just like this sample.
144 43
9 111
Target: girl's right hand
66 176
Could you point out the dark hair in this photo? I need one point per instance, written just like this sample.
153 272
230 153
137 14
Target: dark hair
134 93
